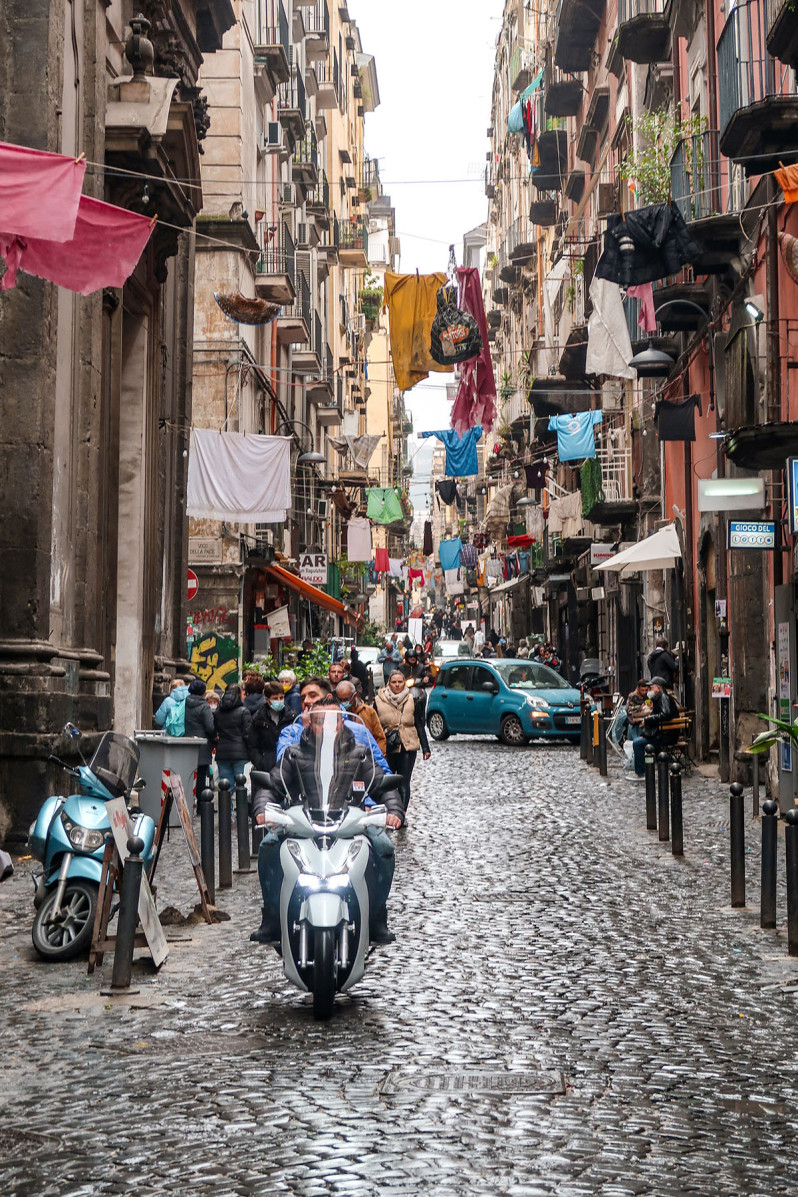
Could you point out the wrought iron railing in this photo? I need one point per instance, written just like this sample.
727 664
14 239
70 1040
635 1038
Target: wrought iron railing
274 26
746 72
291 95
319 197
354 235
278 256
306 150
316 18
629 9
695 169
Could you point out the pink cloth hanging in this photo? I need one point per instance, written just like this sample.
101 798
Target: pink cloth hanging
647 320
39 191
107 243
476 395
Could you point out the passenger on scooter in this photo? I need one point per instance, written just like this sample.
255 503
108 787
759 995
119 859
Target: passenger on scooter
358 768
315 689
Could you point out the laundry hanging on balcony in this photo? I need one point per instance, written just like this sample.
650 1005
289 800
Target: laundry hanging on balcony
103 251
382 562
447 492
39 192
646 244
454 582
358 539
591 486
787 179
535 474
475 402
647 320
449 552
411 300
676 421
360 447
575 438
427 545
565 514
454 336
461 451
242 309
383 505
609 349
239 477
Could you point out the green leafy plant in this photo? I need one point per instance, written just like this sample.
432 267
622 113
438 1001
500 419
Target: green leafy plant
578 268
315 662
507 388
266 666
781 733
370 297
371 635
655 135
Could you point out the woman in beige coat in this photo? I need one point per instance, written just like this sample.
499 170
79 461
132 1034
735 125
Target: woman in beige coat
401 713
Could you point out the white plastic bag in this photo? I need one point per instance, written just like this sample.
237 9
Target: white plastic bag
629 753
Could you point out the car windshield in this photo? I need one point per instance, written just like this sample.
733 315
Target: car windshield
332 763
451 648
115 763
523 675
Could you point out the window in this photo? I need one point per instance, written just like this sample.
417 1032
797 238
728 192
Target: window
482 675
456 677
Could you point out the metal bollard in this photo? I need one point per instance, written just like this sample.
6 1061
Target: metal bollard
755 796
225 835
651 789
791 842
589 736
737 844
242 825
128 916
206 842
583 732
602 745
770 837
677 827
663 814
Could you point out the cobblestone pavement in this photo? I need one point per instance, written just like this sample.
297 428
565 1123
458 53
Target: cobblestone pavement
542 931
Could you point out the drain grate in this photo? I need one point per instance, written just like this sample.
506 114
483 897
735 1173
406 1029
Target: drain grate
472 1081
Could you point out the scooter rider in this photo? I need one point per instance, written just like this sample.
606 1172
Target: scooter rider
358 768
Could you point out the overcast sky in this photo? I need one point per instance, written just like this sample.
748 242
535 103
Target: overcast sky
434 63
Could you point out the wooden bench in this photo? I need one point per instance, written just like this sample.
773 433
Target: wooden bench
679 750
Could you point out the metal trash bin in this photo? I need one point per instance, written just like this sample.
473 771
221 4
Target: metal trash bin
178 754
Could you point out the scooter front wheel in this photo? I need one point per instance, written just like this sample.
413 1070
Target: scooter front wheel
323 972
70 934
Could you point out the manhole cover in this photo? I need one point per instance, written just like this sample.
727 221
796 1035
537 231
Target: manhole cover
473 1081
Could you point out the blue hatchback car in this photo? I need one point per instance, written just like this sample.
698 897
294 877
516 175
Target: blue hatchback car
515 700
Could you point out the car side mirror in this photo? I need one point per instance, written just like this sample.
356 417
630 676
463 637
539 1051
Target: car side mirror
489 688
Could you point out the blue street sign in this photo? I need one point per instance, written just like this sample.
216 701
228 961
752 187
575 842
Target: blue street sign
752 534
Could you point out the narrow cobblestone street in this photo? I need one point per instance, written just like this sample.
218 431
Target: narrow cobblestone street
543 934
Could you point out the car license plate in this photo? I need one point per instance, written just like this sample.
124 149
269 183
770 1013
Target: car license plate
573 719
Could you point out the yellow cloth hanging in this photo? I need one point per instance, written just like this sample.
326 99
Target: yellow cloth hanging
411 300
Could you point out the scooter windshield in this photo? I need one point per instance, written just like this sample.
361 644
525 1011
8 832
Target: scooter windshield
115 763
332 764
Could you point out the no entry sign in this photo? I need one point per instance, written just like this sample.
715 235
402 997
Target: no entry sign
193 585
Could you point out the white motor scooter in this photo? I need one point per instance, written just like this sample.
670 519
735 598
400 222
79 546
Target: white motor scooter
324 900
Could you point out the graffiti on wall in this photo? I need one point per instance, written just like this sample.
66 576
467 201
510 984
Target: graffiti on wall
215 659
213 617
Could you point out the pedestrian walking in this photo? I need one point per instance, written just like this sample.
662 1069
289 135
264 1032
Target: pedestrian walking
401 713
358 670
253 692
200 724
234 731
390 657
287 679
349 699
662 663
177 693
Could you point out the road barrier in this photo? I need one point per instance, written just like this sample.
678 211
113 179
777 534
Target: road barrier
128 915
242 824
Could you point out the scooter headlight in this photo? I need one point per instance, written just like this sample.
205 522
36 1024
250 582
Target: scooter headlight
83 838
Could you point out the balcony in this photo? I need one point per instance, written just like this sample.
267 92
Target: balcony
578 23
316 20
308 360
758 104
681 317
616 504
292 106
275 269
563 92
643 30
521 244
494 318
509 272
368 187
574 356
543 212
354 245
305 161
294 322
320 390
696 190
783 31
575 186
274 51
522 69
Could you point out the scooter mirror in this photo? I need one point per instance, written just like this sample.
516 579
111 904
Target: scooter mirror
139 784
69 729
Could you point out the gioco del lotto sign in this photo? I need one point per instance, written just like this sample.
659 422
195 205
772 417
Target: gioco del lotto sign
313 568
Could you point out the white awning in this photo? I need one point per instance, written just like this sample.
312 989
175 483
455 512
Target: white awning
503 587
660 551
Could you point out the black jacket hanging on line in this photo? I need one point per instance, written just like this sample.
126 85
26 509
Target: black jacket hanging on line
645 245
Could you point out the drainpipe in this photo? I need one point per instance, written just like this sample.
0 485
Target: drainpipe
773 327
712 101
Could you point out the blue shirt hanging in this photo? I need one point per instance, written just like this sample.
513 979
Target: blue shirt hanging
461 452
575 439
449 553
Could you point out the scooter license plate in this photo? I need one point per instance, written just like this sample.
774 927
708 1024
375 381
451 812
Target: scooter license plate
572 719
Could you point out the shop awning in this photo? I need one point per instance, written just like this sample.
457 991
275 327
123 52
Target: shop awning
311 593
503 587
660 551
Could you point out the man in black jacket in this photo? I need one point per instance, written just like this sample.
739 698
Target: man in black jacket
234 730
295 776
662 663
199 723
663 709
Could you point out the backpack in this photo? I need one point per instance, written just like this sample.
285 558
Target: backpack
175 722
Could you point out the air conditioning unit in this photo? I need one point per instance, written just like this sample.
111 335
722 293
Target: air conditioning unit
288 195
272 141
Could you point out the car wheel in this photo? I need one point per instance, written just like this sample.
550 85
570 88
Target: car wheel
437 726
512 732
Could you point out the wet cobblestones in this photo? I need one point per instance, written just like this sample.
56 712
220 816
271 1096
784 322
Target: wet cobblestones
541 930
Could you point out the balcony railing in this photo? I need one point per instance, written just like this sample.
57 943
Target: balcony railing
354 235
278 256
370 176
643 30
564 92
694 175
747 73
316 18
319 197
783 31
274 25
318 339
301 309
291 95
306 150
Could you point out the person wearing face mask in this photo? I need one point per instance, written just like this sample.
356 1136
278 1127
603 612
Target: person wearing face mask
293 701
347 696
268 721
663 709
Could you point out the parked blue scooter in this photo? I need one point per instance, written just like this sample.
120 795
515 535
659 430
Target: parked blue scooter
69 838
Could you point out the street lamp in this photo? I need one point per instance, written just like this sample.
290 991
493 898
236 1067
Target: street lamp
655 363
311 456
